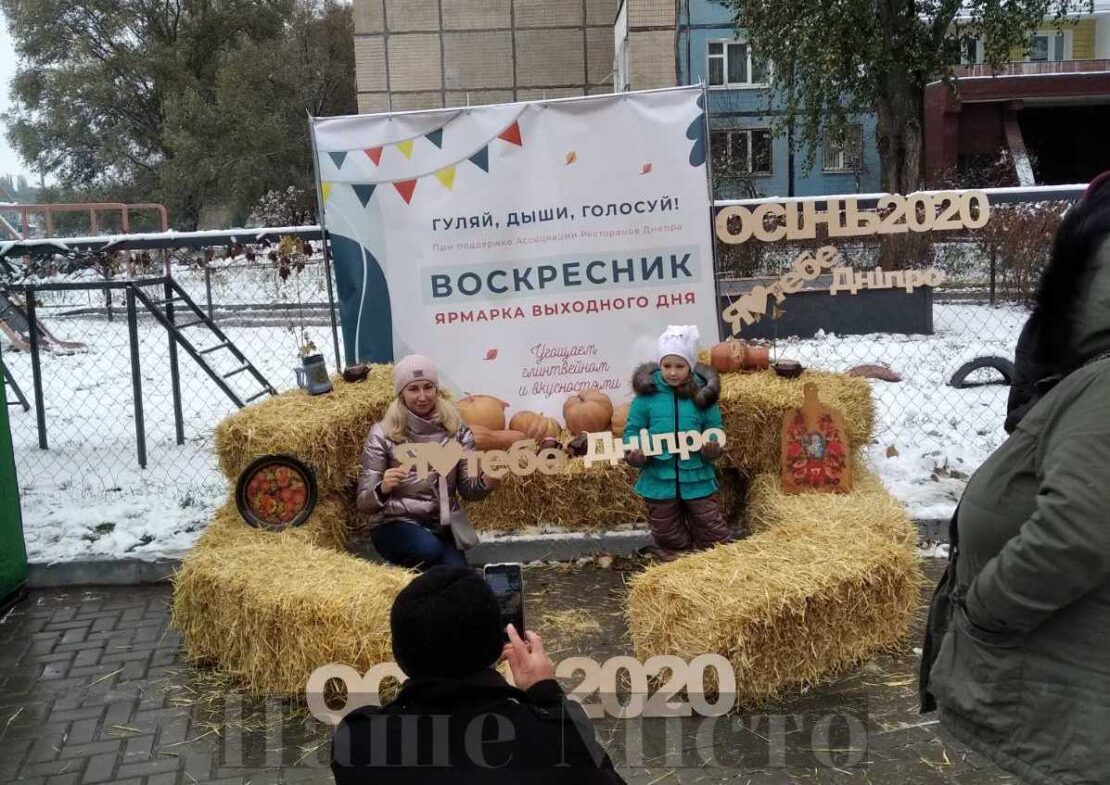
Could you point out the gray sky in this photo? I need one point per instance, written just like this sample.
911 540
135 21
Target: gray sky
9 161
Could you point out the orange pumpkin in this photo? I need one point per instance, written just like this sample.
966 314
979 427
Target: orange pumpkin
757 358
535 426
484 410
495 438
620 419
590 410
727 356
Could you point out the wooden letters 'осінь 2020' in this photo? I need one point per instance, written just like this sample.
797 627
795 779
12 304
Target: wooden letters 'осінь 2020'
772 221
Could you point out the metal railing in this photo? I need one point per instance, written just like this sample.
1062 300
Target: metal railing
1038 68
94 209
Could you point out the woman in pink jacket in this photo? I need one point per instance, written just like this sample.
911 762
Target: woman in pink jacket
411 516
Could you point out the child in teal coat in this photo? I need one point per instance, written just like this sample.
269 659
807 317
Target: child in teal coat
673 396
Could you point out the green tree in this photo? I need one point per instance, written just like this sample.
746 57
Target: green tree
835 59
98 78
253 137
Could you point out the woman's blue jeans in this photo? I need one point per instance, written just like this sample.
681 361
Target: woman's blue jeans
411 545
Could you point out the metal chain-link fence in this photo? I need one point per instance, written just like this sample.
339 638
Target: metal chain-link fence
85 453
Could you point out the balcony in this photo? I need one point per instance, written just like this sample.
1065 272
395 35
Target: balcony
1033 69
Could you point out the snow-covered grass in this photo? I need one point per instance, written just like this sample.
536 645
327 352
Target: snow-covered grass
86 496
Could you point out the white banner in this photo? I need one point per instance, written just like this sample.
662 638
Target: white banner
530 249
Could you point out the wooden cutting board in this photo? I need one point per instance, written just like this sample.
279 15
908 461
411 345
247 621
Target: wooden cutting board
816 455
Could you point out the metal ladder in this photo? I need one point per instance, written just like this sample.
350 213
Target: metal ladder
9 380
164 312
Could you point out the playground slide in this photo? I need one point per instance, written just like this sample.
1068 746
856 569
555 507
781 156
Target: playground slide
15 324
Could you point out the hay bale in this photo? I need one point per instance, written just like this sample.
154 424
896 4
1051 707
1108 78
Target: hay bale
272 611
830 581
325 431
868 505
753 405
579 499
326 527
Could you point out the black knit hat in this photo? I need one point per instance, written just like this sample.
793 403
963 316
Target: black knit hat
446 623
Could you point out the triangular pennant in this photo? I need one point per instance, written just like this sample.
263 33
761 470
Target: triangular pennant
481 159
405 147
363 192
375 154
436 137
339 158
325 190
512 135
405 188
447 177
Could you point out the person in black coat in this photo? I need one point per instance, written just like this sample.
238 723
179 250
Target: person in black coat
1038 363
457 720
1030 373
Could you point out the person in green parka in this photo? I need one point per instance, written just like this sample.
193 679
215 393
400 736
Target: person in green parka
673 396
1017 649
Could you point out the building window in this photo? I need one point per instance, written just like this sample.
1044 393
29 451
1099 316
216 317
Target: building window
971 51
844 151
734 64
1048 47
742 152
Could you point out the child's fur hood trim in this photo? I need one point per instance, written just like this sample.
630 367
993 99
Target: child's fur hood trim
707 394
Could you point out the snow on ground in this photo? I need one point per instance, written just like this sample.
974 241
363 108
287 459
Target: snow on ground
86 497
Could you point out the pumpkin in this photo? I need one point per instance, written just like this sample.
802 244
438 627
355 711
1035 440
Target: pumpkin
590 410
484 410
535 426
495 438
620 418
727 356
757 358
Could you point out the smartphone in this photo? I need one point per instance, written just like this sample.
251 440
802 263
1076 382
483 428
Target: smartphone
507 582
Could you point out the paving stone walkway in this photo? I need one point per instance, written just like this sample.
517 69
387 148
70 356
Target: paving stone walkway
94 688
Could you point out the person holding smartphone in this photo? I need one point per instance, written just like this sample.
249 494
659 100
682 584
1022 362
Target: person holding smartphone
414 520
457 720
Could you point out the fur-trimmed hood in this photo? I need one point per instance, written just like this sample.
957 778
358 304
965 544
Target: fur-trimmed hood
709 383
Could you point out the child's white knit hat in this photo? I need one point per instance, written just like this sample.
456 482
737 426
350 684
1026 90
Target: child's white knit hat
681 340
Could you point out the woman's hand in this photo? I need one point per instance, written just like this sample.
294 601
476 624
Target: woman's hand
392 478
528 661
711 450
635 458
488 481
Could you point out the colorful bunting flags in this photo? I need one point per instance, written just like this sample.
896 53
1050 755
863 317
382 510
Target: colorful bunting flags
405 188
512 135
447 176
481 159
363 192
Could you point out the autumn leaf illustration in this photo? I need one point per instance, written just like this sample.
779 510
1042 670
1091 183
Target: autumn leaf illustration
491 354
571 157
646 169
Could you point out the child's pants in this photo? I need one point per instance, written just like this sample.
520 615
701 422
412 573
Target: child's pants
687 524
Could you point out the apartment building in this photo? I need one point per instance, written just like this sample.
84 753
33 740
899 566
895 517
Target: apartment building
421 54
1049 106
